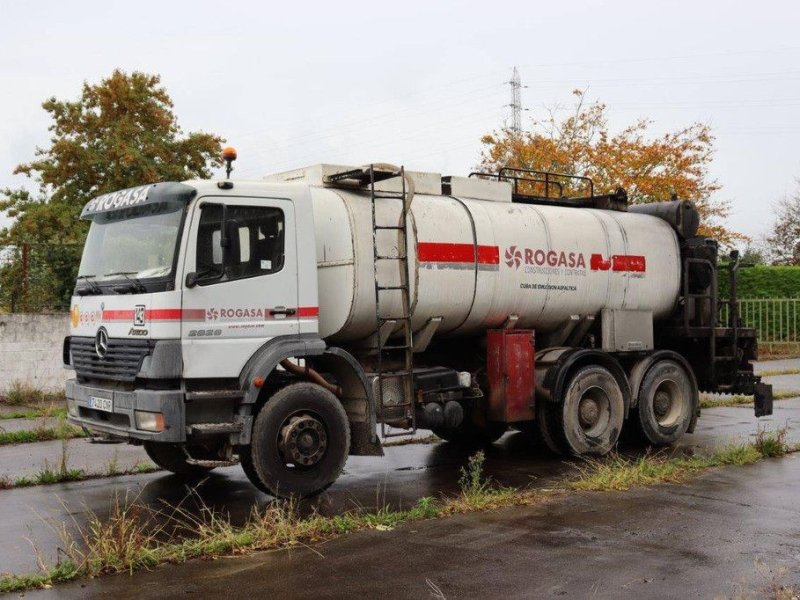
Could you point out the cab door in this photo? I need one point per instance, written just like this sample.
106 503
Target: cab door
240 284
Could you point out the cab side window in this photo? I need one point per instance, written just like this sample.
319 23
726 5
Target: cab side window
251 244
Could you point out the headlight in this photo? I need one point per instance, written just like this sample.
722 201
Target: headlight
149 421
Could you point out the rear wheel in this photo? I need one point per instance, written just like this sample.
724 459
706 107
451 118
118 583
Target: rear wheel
300 442
589 418
665 403
173 457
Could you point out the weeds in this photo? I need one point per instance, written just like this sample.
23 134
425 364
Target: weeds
62 430
776 372
35 413
619 473
709 401
430 439
23 394
771 444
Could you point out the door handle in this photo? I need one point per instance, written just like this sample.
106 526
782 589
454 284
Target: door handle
281 310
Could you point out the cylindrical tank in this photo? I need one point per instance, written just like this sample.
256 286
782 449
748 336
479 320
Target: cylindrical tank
478 263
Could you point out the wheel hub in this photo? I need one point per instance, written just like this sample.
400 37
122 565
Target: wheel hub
662 402
303 441
588 412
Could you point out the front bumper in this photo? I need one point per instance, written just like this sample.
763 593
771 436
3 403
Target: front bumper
121 423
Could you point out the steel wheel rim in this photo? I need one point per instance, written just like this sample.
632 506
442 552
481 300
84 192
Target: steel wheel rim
667 403
594 411
302 440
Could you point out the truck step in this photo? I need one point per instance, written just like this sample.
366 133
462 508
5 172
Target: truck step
206 429
386 288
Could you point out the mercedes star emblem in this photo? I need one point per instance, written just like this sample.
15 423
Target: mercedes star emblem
101 342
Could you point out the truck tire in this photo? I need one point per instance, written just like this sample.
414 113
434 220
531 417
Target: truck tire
665 403
300 441
172 457
588 419
246 461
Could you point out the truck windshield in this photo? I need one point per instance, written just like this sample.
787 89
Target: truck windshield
137 243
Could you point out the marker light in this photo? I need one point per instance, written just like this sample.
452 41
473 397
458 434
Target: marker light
149 421
229 153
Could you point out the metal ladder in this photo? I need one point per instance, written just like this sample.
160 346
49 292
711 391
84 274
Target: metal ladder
399 348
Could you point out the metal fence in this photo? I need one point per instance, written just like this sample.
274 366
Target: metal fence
37 277
777 320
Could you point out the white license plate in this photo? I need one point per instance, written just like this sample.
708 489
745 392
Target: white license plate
104 404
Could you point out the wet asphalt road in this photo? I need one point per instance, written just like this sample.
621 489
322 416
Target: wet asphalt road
405 474
731 533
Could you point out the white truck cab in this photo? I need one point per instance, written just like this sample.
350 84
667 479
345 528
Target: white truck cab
183 289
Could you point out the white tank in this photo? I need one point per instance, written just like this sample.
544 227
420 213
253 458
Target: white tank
477 263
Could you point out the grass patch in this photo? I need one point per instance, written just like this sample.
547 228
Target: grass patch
23 394
620 473
709 401
48 476
63 473
61 431
430 439
776 372
35 413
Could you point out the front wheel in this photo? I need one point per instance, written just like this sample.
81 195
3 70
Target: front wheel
300 441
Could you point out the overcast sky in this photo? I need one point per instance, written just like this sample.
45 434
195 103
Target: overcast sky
418 83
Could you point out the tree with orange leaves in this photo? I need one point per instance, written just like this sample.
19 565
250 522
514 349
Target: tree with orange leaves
651 169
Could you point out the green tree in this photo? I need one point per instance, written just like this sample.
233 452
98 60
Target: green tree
120 133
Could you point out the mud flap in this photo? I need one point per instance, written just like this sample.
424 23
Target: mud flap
763 399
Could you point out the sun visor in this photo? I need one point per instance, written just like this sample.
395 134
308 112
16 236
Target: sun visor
155 193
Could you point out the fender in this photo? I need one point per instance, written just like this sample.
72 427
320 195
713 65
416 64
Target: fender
640 369
267 357
559 363
357 397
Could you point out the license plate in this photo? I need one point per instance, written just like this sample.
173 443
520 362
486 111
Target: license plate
104 404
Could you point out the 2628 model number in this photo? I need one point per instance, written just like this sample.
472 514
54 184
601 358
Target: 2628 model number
204 332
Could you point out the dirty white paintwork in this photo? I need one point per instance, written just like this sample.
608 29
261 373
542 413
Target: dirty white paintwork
475 263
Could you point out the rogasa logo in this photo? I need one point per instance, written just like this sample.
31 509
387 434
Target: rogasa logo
513 257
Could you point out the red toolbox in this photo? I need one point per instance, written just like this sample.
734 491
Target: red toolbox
509 366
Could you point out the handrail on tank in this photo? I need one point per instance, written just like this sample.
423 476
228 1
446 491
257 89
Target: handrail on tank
547 177
516 181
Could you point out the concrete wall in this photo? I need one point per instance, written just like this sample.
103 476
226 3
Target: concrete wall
30 350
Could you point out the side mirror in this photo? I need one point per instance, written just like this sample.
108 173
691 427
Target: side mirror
191 279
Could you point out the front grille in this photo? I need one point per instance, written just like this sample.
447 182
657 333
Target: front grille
121 362
103 417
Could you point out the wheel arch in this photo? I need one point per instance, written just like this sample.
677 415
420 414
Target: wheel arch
560 363
356 398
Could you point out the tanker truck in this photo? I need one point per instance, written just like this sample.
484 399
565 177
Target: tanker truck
287 323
